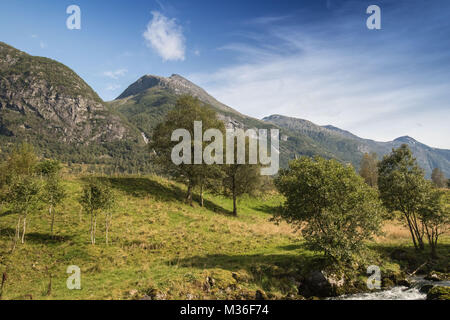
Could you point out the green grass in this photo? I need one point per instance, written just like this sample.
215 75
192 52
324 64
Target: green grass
159 246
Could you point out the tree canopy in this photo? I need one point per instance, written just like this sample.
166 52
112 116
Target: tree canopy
331 204
186 111
402 188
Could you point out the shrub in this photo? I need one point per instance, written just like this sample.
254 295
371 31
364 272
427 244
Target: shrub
332 205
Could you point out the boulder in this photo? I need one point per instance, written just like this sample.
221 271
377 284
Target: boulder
321 284
439 293
404 283
426 288
260 295
437 276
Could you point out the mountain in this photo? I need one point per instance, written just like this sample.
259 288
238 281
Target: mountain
176 84
146 102
41 95
47 104
427 157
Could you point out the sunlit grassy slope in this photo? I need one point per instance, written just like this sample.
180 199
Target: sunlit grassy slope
160 248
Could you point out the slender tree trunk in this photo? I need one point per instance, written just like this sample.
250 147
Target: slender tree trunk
2 287
234 196
92 228
419 233
52 213
433 236
433 251
17 236
108 223
201 195
18 229
49 287
95 227
411 231
189 194
24 229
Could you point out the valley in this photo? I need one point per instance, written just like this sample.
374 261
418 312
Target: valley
75 120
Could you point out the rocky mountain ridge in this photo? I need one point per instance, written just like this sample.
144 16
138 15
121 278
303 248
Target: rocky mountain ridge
427 157
41 95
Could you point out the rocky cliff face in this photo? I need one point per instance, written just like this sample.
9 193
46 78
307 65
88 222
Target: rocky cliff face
39 95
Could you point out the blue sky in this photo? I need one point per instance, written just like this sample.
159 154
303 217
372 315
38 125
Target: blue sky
314 60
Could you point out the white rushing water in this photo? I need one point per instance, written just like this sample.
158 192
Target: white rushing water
397 293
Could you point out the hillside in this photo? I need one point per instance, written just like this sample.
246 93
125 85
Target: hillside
47 104
162 248
41 95
332 137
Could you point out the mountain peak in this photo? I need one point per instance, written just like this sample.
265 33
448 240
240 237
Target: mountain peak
406 139
175 84
143 83
177 76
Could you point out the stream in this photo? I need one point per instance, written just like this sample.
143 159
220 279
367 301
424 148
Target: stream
397 293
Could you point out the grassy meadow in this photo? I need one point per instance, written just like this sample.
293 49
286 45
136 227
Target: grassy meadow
161 248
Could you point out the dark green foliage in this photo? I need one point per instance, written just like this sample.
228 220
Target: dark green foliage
240 179
22 188
186 112
334 208
24 198
53 190
49 168
402 188
96 197
22 161
435 216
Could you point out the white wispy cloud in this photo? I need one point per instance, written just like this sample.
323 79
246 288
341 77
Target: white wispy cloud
267 19
166 37
368 89
116 74
42 44
113 87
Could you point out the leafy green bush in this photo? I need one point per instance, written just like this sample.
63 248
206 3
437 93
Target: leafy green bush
332 205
